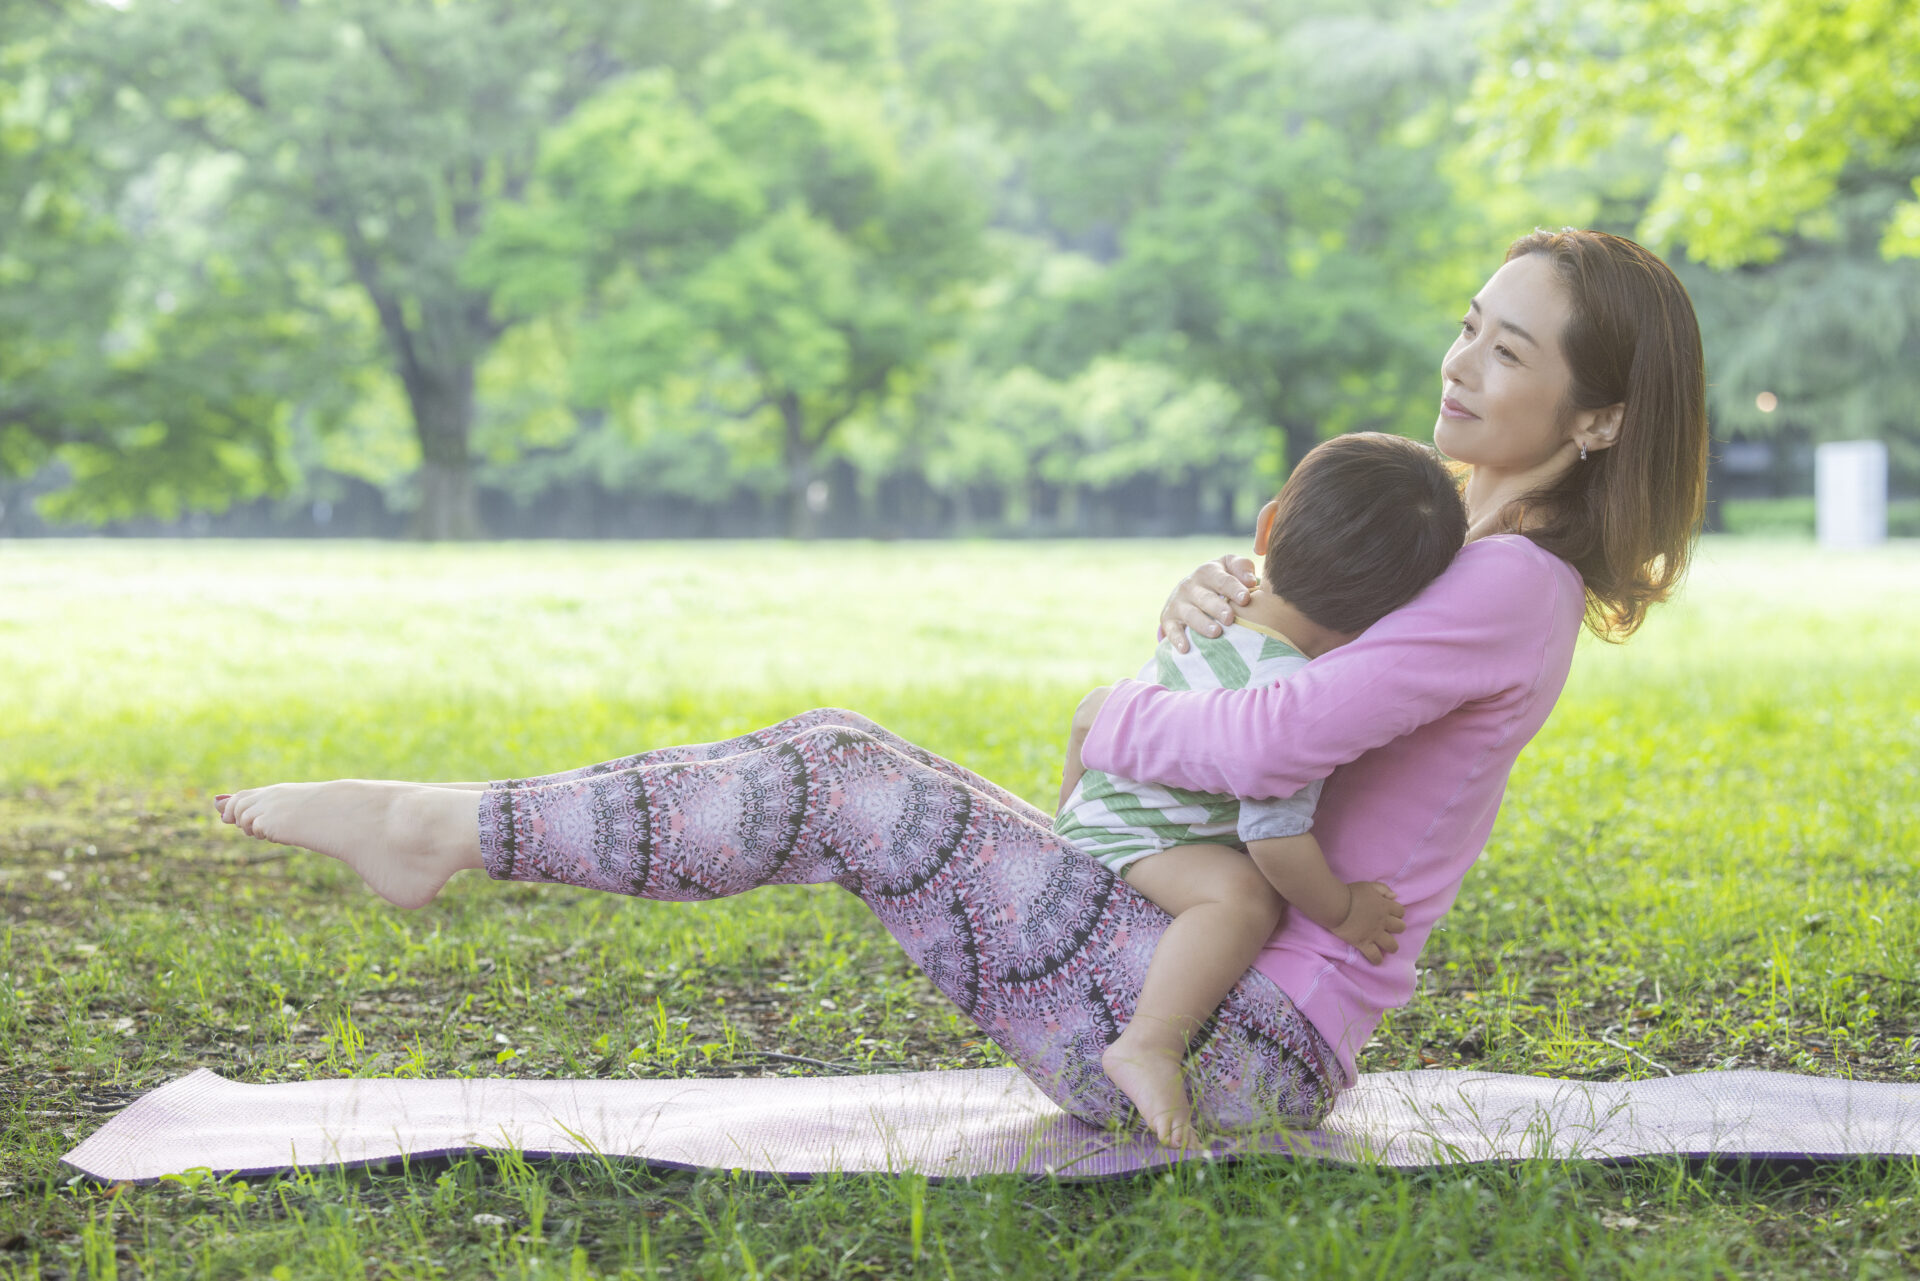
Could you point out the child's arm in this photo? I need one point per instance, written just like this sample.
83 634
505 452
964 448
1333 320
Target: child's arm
1077 734
1363 913
1070 774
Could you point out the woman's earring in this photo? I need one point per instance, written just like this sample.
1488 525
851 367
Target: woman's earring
1583 453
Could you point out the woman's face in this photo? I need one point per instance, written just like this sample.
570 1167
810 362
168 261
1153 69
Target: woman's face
1504 382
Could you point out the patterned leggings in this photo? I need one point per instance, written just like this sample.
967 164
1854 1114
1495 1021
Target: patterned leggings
1038 944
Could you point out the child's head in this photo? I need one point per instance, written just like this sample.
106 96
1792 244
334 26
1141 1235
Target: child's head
1364 522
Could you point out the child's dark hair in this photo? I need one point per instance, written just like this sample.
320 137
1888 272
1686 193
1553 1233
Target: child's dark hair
1366 520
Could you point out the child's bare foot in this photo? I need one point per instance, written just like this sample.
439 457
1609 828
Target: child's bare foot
403 839
1150 1076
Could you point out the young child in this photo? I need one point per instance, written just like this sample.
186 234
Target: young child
1362 525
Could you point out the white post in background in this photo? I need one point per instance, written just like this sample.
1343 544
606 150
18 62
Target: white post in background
1850 493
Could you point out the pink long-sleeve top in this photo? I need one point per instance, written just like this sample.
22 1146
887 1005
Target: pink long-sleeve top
1414 725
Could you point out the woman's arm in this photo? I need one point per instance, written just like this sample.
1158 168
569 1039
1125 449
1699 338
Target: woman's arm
1479 630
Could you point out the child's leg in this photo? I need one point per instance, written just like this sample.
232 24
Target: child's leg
818 718
1223 910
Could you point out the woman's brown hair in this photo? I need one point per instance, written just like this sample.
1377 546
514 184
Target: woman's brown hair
1626 517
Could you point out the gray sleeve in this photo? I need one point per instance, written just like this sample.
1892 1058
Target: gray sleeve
1287 816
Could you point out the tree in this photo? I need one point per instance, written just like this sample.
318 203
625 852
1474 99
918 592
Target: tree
53 244
1778 146
1762 115
152 397
1261 189
359 145
767 226
1046 447
1829 332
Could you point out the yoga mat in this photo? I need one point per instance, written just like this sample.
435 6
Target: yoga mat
961 1123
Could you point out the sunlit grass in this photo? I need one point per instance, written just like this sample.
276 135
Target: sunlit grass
176 665
1708 858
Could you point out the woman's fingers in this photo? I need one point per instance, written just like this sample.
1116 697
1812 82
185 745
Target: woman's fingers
1231 578
1204 601
1177 618
1244 570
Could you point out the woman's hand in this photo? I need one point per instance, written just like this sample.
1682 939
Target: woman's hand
1204 600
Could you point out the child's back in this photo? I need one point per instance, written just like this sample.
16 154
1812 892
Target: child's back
1120 820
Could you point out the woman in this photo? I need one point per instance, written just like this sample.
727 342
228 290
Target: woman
1575 398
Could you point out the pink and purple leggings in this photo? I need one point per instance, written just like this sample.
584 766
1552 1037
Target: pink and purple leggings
1036 942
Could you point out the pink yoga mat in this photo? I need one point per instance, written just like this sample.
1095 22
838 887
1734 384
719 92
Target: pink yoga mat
957 1124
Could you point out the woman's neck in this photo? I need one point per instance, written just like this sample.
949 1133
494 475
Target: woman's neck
1489 493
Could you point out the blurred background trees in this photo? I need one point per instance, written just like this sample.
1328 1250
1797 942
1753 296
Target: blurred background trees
766 234
1773 153
597 267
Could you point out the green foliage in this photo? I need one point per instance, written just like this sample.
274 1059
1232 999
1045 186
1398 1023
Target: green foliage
1019 433
762 225
1829 328
669 248
47 234
156 385
1762 115
1272 190
1783 141
343 155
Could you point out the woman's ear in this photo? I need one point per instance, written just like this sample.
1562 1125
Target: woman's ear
1263 527
1601 429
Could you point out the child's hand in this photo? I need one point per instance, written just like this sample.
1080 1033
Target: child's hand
1374 917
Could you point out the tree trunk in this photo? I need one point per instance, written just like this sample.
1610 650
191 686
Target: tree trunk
1300 438
1073 510
442 401
1224 521
1712 520
449 509
802 519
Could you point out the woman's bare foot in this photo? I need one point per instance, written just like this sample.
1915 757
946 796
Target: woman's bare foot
1149 1074
405 840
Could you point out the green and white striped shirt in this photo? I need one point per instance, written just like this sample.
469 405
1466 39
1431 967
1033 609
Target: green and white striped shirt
1121 820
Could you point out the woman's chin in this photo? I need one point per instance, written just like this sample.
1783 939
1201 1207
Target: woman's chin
1451 439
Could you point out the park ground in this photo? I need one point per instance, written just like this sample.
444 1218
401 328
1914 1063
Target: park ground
1708 859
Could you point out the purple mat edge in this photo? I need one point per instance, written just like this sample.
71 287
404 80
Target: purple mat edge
1311 1145
1061 1176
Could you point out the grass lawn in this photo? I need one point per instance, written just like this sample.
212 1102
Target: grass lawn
1709 858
